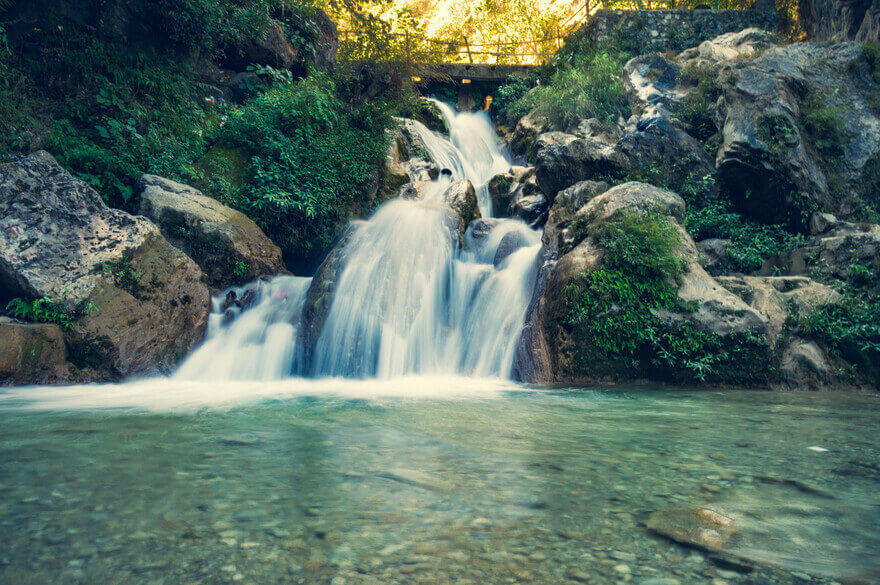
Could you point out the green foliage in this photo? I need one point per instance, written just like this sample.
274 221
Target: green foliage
40 311
123 274
751 243
851 327
241 269
872 53
576 85
590 87
510 102
310 157
695 110
613 311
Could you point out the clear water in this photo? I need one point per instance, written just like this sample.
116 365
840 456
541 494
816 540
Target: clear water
340 481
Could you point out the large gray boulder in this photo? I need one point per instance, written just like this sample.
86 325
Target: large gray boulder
781 154
230 248
138 303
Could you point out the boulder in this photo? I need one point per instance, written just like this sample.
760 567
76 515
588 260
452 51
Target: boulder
270 47
745 44
510 243
805 367
567 204
780 298
462 198
713 251
527 130
548 345
532 209
230 248
840 20
32 353
781 154
561 160
139 303
834 255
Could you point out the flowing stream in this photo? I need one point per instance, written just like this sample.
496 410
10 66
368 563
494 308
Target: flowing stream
414 297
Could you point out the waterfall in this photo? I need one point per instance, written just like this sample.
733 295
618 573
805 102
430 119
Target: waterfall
414 297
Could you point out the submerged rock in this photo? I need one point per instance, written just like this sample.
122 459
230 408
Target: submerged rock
697 527
229 247
138 303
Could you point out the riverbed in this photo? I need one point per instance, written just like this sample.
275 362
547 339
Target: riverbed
431 481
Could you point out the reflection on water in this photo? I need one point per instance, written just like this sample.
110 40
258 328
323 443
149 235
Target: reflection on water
481 485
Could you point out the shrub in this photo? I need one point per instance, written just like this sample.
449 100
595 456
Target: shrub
850 328
310 158
751 243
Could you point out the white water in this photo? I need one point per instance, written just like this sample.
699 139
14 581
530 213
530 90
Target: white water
410 300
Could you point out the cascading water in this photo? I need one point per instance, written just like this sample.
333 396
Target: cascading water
411 299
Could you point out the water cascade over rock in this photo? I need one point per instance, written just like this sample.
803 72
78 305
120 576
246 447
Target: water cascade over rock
404 293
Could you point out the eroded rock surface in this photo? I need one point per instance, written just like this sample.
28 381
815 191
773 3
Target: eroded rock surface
139 303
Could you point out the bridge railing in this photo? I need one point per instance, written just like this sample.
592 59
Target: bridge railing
356 45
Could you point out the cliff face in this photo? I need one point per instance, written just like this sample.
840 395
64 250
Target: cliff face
841 20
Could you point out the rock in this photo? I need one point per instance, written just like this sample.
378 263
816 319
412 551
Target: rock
547 347
462 198
532 209
270 47
229 247
567 203
140 303
510 243
714 250
565 159
821 223
526 133
480 229
831 256
840 20
746 44
326 40
32 353
804 366
501 189
768 160
697 527
779 297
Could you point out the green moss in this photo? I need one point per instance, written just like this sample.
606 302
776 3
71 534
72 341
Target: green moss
824 128
40 311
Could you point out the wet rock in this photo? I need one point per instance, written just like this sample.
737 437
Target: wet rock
532 209
697 527
510 243
140 303
32 353
229 247
270 47
568 202
565 159
462 198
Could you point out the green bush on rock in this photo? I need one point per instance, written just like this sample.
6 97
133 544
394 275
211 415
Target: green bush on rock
619 314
